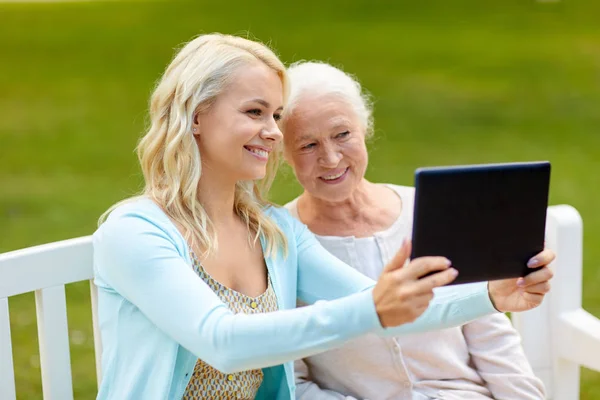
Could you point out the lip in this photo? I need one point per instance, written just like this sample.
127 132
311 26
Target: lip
336 180
263 148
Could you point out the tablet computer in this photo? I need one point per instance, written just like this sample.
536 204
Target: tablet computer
488 219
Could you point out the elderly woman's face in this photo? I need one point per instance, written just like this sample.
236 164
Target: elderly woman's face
325 145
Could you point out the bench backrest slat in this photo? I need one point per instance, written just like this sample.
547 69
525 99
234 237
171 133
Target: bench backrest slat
53 336
7 374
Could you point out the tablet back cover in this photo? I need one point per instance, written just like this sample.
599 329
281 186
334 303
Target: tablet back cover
489 220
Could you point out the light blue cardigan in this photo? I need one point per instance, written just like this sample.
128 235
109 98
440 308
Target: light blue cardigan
157 317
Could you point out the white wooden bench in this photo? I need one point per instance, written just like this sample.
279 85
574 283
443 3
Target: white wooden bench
46 269
558 337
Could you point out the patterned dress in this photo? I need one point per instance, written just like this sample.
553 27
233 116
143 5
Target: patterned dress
209 383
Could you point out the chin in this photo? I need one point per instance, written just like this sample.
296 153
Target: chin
250 175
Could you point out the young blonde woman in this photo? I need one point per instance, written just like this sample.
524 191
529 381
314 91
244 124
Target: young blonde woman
325 125
198 278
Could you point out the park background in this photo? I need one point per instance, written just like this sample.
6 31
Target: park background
454 82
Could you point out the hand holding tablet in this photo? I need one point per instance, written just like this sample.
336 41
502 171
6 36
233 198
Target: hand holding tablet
489 220
522 294
406 282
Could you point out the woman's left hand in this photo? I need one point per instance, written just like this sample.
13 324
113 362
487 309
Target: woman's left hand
522 294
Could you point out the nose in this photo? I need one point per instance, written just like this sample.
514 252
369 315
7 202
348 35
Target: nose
330 156
271 133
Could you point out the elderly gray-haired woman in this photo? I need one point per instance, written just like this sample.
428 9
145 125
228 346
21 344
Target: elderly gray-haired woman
325 125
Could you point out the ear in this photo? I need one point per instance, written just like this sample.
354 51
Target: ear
196 124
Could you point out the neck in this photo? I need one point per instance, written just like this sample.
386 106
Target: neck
217 197
353 208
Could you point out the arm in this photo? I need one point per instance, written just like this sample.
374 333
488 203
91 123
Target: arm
496 351
306 389
139 260
323 276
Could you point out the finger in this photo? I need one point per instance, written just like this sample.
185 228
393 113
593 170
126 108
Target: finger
442 278
541 259
539 276
424 265
400 258
533 299
538 288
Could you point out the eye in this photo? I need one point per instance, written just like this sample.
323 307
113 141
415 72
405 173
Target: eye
308 146
277 117
342 135
255 111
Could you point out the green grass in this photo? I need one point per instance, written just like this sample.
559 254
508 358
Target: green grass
454 82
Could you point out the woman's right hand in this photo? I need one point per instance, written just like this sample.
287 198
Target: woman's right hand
400 295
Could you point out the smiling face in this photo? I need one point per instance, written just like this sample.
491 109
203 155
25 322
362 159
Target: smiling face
237 133
325 145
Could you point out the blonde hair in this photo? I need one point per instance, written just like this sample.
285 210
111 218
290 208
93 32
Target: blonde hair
168 153
319 78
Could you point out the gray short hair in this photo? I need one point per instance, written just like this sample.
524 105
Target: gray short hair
319 78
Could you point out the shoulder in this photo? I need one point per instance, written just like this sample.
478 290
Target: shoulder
281 215
140 207
136 220
292 207
406 194
134 243
293 229
403 191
